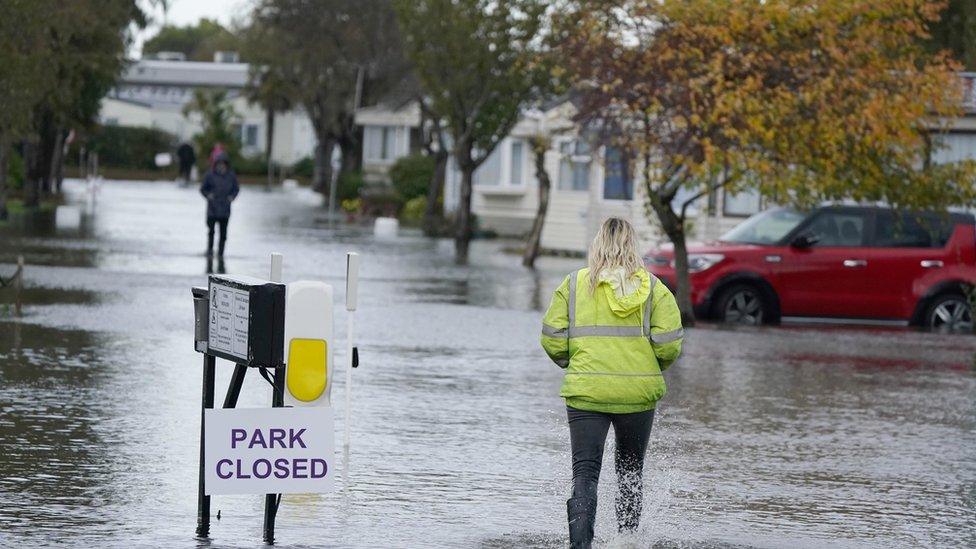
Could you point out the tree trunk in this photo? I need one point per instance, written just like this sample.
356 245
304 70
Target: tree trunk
674 228
462 235
57 158
44 154
349 155
32 180
59 174
349 139
432 216
4 155
535 236
681 271
269 144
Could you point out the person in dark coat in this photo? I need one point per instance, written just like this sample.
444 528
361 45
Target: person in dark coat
220 188
186 156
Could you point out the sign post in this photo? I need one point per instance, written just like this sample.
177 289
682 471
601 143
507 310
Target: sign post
238 319
286 332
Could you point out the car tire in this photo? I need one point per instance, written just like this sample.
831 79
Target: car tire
949 313
742 304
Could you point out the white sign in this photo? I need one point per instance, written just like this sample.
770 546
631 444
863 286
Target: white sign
229 310
163 160
269 450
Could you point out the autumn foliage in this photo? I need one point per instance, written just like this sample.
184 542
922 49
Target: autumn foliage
803 100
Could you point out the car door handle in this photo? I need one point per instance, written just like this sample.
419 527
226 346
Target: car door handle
932 263
855 263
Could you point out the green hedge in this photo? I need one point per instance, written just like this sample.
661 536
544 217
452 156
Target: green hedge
127 146
250 165
15 170
304 167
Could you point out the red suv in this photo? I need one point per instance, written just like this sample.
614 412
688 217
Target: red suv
841 262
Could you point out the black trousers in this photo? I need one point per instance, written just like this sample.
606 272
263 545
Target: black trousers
588 434
211 221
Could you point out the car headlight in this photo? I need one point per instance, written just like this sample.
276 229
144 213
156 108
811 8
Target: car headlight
657 260
700 262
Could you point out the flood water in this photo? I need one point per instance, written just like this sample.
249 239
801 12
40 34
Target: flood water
777 437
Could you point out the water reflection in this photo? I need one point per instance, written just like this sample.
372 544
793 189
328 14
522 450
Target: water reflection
796 436
43 445
221 265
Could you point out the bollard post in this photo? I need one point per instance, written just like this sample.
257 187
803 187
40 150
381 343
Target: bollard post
203 500
276 262
277 400
18 285
234 389
271 501
352 289
226 303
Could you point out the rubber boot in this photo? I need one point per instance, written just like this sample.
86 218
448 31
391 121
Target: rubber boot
582 515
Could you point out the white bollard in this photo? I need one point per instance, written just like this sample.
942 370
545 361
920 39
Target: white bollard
163 160
308 343
276 261
67 218
352 291
386 228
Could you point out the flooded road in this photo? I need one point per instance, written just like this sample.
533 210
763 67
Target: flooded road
777 437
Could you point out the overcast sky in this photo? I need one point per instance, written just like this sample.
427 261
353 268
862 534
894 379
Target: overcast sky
187 12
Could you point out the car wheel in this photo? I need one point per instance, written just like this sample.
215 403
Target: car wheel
949 314
741 304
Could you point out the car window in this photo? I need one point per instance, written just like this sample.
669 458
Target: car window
837 229
767 227
909 230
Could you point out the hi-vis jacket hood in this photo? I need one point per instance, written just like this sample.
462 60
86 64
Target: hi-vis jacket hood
625 293
613 341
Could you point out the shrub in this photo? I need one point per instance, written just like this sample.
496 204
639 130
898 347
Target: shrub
352 205
413 211
380 200
304 167
411 176
128 146
15 170
349 186
250 165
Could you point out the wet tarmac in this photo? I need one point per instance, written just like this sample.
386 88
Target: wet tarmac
776 437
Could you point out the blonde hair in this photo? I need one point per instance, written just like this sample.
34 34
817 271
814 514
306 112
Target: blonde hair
615 245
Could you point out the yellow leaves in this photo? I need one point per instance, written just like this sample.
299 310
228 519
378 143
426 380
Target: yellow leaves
827 95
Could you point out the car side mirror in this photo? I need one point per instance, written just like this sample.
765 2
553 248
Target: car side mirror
805 240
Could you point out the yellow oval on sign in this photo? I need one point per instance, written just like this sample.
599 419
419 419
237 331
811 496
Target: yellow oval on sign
307 371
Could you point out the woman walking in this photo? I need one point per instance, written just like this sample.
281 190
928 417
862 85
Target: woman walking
614 328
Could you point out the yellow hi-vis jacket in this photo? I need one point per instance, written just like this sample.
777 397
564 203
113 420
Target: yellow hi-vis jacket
613 348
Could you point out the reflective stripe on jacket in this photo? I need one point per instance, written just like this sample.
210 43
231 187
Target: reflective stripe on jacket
613 347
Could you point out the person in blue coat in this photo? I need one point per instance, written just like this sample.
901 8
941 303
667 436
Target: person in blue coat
220 188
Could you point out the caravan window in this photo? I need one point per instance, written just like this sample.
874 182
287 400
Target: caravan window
249 137
490 171
516 161
617 182
379 143
574 165
742 204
